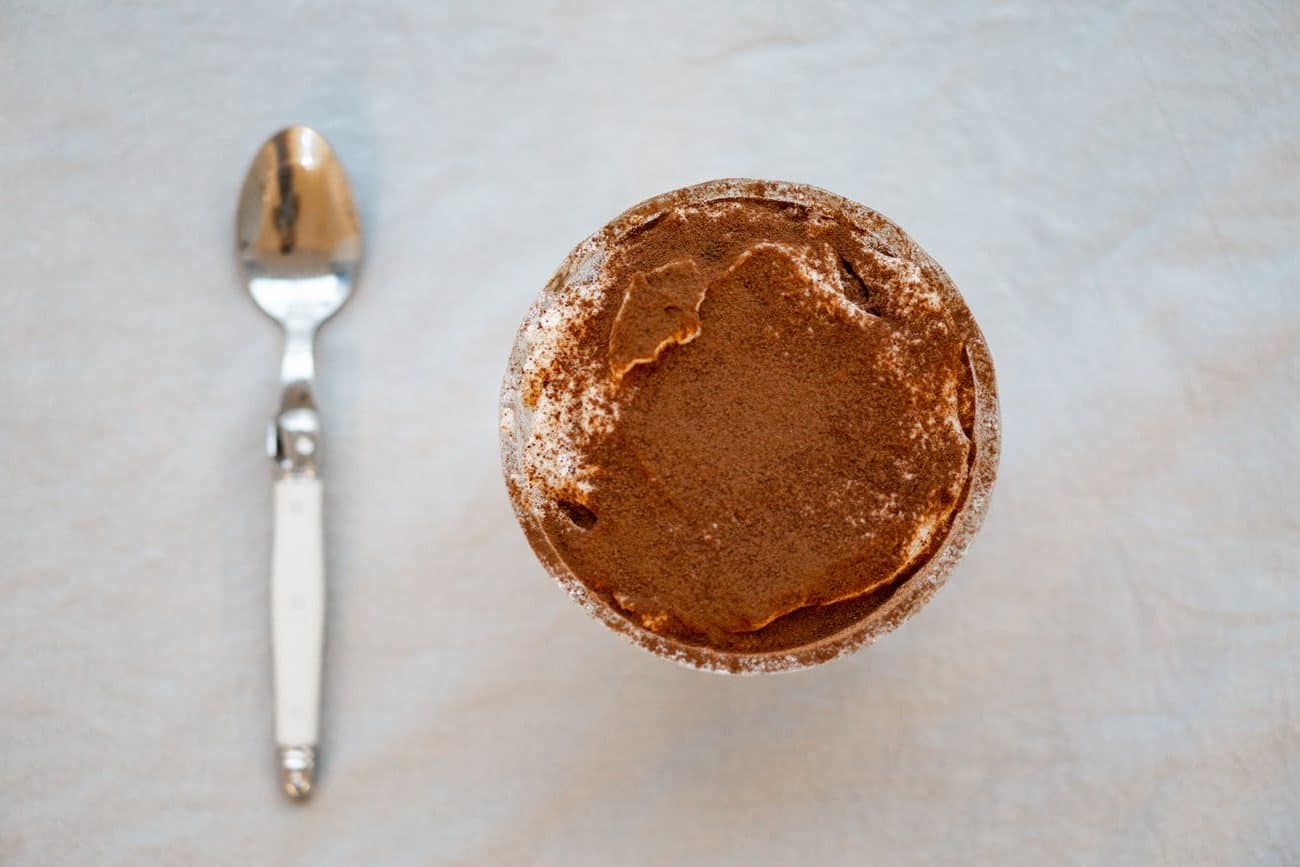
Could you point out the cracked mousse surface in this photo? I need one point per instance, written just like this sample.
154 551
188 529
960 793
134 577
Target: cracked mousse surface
745 420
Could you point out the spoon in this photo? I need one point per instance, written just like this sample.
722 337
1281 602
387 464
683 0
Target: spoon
299 245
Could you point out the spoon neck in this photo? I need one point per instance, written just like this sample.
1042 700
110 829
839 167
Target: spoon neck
294 442
298 368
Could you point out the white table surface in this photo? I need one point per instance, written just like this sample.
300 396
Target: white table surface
1113 674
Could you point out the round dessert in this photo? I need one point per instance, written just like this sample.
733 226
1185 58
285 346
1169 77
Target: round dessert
750 425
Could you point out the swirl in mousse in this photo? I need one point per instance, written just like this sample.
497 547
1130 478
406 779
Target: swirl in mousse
750 425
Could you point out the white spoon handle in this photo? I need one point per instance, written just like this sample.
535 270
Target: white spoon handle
297 626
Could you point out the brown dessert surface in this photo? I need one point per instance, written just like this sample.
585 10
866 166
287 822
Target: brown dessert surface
785 427
660 308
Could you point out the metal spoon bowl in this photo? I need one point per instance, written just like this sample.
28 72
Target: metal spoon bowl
296 221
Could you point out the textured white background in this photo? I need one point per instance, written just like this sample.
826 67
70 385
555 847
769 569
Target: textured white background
1113 675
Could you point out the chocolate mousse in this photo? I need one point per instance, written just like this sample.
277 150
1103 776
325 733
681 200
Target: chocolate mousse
742 417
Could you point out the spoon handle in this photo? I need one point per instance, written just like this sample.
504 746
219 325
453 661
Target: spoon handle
297 621
297 596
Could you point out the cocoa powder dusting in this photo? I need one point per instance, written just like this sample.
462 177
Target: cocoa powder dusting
660 308
786 431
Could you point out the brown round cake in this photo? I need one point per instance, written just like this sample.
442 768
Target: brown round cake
750 425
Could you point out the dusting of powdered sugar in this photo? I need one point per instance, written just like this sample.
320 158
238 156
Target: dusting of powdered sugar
550 405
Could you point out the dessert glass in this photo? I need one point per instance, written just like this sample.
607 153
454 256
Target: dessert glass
872 615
